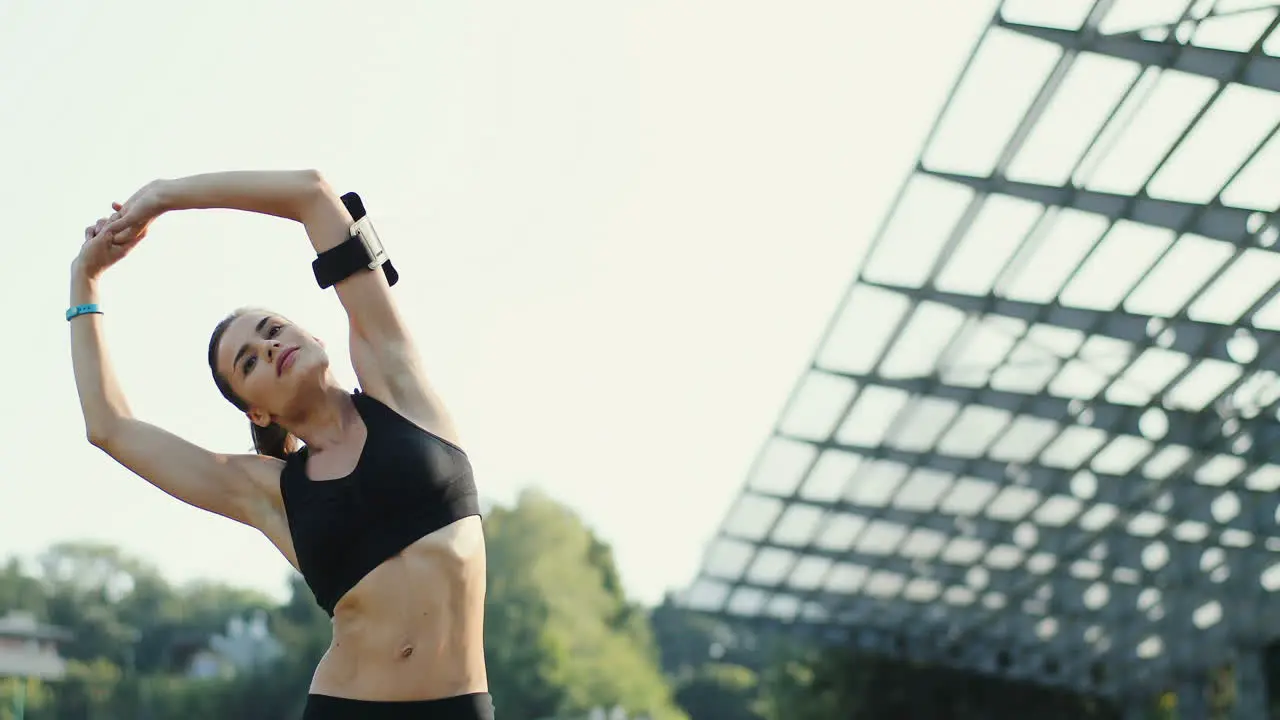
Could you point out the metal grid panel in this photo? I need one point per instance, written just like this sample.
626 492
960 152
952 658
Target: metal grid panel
1040 435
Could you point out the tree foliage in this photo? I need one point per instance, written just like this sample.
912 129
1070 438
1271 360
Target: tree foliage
561 635
561 639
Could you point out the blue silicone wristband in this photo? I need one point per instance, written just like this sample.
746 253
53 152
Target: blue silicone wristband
86 309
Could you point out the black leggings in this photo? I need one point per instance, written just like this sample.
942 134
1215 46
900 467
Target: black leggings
476 706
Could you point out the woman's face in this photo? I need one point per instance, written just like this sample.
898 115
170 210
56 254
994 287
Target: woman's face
266 359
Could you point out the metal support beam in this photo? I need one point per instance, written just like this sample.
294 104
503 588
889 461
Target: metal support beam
1218 222
1186 428
1261 71
1186 336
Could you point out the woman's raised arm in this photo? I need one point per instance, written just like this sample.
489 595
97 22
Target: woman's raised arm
383 354
240 487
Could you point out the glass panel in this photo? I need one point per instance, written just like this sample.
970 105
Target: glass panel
968 496
1116 265
865 325
797 525
1156 125
1073 446
1007 71
1122 455
1078 379
781 466
752 516
1057 511
1146 524
923 490
783 607
1148 376
1234 32
963 551
1098 517
1233 126
1126 15
981 346
1048 264
1063 14
1028 370
1024 440
1089 93
830 474
926 334
1254 186
770 566
846 578
1265 479
726 558
1219 470
809 572
1013 503
920 226
1172 282
1004 557
884 584
881 538
923 543
925 420
922 590
746 602
872 415
840 531
996 234
1191 531
876 483
1239 287
1166 461
1202 385
973 431
819 404
707 595
1041 563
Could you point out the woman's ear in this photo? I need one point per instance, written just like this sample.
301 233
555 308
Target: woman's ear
257 417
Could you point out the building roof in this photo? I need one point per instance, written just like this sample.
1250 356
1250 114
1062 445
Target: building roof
1039 436
23 625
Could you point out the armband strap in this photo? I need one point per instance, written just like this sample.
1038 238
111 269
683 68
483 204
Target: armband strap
86 309
362 251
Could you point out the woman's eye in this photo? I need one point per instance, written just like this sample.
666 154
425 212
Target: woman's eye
275 329
248 365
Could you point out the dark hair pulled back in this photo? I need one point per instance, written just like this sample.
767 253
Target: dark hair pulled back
272 440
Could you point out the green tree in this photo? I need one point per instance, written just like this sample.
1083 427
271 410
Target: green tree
713 667
717 691
34 696
561 636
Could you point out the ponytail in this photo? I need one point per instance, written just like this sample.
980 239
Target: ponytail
272 440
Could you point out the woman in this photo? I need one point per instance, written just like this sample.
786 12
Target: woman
367 494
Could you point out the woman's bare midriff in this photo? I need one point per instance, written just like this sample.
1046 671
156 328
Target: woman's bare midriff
413 629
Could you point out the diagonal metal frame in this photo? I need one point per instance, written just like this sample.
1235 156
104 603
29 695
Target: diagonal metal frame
1197 340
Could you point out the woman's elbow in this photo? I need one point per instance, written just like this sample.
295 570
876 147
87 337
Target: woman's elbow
99 435
97 439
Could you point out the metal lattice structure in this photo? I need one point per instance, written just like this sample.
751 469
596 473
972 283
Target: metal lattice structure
1039 438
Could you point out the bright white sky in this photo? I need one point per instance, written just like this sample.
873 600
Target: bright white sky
621 229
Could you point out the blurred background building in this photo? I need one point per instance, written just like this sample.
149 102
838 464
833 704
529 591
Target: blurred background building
1039 437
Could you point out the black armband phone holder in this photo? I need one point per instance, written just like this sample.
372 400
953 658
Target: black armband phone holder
362 251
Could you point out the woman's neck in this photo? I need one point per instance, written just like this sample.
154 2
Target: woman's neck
326 420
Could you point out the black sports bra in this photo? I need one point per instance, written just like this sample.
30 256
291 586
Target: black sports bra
406 484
